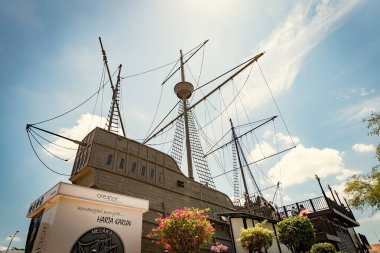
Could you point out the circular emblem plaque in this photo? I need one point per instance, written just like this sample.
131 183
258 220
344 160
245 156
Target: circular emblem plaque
98 240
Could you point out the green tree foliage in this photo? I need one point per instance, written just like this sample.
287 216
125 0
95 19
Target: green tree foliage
323 247
297 233
373 123
364 190
257 238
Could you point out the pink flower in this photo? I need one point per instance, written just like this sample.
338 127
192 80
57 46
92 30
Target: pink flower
219 248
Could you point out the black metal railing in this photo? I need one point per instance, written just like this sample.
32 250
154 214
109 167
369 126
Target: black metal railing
340 208
313 205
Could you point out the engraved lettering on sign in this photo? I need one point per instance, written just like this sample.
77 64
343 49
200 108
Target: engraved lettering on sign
107 197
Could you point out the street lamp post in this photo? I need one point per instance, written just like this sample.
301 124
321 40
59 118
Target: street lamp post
11 240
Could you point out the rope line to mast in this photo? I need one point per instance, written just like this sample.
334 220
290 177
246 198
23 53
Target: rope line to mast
155 113
217 159
163 119
76 107
225 73
97 97
162 66
159 101
251 133
60 158
249 120
56 172
266 82
31 129
150 70
233 100
280 187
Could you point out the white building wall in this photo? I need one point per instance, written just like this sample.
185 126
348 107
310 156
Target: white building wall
237 224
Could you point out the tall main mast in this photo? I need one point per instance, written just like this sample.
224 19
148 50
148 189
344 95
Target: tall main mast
184 91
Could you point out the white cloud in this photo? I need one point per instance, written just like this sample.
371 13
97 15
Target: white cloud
310 195
15 239
265 149
362 148
82 127
345 173
372 219
307 25
301 164
287 140
360 110
262 150
286 198
267 134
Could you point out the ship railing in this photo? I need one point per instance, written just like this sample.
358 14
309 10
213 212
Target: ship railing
314 205
340 208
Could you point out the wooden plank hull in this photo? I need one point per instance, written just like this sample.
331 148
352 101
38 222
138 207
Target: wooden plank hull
113 163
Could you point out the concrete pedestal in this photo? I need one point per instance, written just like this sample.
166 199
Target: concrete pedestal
74 219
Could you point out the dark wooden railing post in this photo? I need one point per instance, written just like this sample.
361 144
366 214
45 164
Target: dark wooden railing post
332 194
298 207
340 202
323 192
312 205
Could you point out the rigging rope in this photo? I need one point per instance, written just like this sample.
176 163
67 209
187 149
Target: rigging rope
31 129
226 107
155 113
163 119
266 82
249 120
56 172
208 142
76 107
252 133
150 70
200 71
159 101
60 158
225 73
275 131
162 66
96 101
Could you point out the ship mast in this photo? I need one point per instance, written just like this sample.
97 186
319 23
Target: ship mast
183 91
114 113
246 193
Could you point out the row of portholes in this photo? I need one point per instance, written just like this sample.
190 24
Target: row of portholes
134 171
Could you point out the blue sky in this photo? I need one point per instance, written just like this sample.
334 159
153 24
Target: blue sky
321 63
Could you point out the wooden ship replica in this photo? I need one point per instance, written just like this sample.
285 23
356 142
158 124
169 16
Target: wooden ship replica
115 163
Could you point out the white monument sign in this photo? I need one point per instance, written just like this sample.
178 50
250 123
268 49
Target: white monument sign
75 219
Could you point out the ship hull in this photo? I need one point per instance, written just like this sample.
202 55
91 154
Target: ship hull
113 163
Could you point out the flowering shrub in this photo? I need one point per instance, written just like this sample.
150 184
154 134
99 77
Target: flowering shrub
256 238
323 247
184 230
219 248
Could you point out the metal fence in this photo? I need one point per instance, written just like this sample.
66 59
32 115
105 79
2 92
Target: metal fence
313 205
